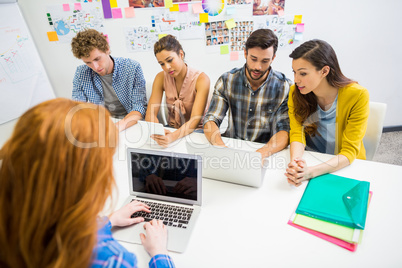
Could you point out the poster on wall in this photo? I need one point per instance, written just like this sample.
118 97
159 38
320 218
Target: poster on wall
238 2
239 35
183 25
283 27
67 21
216 33
268 7
189 26
140 38
146 3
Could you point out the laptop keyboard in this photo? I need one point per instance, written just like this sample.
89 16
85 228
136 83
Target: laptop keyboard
171 215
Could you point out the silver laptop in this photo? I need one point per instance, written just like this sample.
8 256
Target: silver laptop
229 165
170 183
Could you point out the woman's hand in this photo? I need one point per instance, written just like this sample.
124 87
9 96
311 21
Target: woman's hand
155 239
122 217
297 172
164 140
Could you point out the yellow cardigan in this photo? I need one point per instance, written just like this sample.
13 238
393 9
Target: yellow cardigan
352 111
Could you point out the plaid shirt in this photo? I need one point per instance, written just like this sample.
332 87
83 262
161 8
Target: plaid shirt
109 253
128 83
253 115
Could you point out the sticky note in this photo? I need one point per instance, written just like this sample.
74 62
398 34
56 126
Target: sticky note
298 36
77 6
174 8
66 7
234 55
230 23
161 35
248 1
197 8
52 36
297 19
204 17
129 11
113 3
224 50
183 7
168 3
300 28
230 10
116 13
107 38
107 11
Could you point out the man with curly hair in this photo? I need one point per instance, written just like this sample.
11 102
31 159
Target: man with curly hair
116 83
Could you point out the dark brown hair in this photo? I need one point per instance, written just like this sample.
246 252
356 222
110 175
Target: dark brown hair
320 54
169 43
262 38
86 41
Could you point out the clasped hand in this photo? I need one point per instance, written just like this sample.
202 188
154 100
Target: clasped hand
297 172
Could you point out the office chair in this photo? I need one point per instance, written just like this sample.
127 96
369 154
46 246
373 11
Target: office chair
374 128
163 110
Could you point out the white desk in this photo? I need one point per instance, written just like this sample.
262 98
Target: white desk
241 226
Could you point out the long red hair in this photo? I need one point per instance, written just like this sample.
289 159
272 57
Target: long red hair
56 174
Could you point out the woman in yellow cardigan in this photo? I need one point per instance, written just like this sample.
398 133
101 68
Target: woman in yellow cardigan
327 111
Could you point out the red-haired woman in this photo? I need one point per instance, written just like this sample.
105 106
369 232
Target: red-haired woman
56 174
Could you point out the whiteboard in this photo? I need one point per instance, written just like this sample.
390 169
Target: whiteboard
23 80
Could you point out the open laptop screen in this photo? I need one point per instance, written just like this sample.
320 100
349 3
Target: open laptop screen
164 175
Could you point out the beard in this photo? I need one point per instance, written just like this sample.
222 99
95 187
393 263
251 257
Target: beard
262 73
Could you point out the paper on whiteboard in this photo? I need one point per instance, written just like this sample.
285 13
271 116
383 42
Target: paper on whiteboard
23 80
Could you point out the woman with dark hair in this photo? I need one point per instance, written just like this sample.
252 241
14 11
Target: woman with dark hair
327 111
56 173
186 91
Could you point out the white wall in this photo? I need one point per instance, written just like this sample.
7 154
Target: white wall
365 35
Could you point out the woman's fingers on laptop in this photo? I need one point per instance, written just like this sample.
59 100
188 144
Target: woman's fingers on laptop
122 217
155 239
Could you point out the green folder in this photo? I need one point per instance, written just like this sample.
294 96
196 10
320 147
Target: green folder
348 234
336 199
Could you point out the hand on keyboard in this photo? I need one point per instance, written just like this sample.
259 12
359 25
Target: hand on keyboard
122 217
155 239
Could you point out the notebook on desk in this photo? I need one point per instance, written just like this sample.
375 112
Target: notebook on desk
170 183
229 165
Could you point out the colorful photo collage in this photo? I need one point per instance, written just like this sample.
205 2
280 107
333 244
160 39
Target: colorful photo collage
216 33
239 35
268 7
153 3
238 2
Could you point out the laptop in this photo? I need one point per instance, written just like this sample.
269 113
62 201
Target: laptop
229 165
170 183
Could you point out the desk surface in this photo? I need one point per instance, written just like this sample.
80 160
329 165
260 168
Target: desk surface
240 226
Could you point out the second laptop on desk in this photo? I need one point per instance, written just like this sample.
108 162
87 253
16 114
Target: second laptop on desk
229 165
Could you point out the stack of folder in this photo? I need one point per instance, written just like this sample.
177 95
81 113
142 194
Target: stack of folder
334 208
